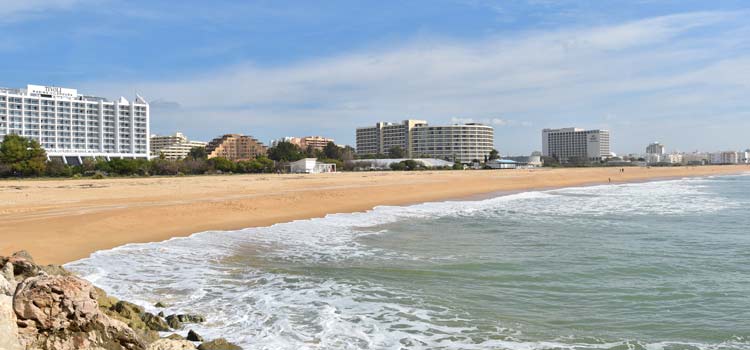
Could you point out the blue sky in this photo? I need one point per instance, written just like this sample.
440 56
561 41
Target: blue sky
667 70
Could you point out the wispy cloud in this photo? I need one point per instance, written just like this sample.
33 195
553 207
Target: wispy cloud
656 71
15 10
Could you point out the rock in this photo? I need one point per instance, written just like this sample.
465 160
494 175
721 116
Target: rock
22 254
55 270
7 288
7 271
23 265
159 304
160 314
192 336
171 344
175 336
218 344
154 322
61 313
174 322
188 318
8 327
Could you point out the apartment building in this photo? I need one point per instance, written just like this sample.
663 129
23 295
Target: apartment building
235 147
568 144
72 126
176 146
316 142
461 143
383 136
655 148
727 157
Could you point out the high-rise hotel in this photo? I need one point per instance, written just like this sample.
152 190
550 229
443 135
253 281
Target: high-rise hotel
569 144
462 143
71 126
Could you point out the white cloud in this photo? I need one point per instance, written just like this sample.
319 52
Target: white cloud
645 71
16 10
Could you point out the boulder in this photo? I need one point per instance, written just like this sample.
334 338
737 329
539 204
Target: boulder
160 305
175 336
193 336
171 344
154 322
61 313
23 265
187 318
173 322
8 327
218 344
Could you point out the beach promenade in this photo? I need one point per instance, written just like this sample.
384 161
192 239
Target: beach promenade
59 221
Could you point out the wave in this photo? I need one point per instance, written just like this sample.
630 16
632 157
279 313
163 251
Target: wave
304 284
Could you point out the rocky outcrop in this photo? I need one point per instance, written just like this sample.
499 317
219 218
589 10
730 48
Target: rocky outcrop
218 344
171 344
61 312
48 308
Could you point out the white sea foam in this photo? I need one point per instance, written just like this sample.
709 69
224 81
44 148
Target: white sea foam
250 286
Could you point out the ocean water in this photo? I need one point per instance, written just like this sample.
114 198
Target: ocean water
658 265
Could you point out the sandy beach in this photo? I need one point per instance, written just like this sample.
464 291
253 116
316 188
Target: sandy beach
59 221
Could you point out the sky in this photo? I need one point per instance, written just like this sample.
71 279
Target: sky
673 71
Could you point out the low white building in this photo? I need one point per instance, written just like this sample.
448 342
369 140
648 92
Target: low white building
502 164
311 166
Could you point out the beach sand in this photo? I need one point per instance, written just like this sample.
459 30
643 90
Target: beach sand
59 221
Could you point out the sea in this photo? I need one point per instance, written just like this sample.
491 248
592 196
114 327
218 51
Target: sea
653 265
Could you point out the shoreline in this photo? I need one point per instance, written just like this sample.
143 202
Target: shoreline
60 221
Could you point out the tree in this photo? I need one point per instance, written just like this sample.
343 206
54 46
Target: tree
222 164
56 168
23 156
494 154
198 153
285 152
396 152
332 151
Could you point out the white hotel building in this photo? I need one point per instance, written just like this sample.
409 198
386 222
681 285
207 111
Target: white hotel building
71 126
462 143
569 144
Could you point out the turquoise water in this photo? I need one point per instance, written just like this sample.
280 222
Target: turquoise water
659 265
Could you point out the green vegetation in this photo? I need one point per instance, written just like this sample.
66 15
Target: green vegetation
408 165
20 156
396 152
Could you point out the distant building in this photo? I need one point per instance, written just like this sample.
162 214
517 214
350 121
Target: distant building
175 146
70 126
696 158
459 143
315 142
570 144
727 157
235 147
383 136
311 166
674 158
655 148
744 157
502 164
